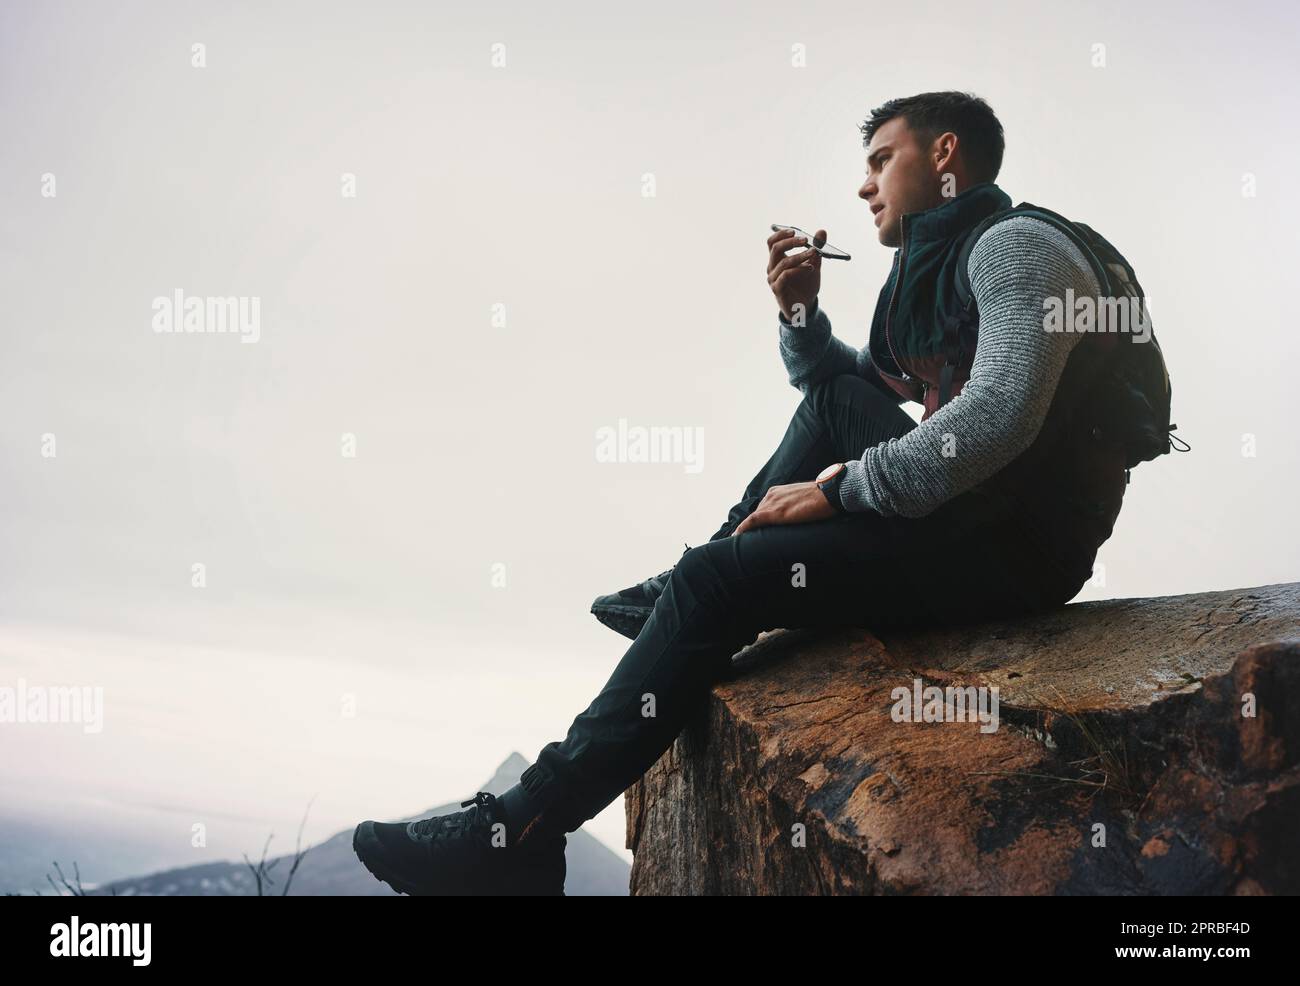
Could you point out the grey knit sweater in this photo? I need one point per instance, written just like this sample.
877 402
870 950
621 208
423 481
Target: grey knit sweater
1013 267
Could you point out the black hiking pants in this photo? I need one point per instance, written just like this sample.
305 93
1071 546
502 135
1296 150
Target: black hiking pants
970 559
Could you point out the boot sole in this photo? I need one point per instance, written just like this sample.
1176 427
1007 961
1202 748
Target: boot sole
627 620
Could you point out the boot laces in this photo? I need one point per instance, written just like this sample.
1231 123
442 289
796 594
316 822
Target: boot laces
447 826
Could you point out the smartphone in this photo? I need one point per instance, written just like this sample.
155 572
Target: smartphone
825 249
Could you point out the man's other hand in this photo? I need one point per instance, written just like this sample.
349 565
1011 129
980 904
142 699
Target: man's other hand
793 503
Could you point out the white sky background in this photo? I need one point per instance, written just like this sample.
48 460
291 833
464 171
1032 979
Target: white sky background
522 186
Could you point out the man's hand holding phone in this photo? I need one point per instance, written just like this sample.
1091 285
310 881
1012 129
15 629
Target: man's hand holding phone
794 279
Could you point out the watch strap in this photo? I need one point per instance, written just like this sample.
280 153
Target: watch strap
831 490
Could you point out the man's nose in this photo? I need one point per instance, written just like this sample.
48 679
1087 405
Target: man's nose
867 189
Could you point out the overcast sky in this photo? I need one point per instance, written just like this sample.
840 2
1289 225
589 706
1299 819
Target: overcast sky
520 193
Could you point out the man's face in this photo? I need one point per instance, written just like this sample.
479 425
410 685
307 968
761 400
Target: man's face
901 177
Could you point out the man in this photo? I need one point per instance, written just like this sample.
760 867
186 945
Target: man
861 517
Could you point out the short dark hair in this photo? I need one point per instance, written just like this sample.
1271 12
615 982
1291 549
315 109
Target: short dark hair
930 114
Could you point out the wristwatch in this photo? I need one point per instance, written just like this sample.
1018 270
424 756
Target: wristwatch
828 481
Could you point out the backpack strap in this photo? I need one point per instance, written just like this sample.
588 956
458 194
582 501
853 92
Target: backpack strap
967 317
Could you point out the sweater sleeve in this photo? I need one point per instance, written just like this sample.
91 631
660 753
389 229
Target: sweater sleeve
812 353
1014 267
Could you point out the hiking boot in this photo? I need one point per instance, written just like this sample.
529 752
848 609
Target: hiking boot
628 609
461 853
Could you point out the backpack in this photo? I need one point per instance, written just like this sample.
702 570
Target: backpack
1132 392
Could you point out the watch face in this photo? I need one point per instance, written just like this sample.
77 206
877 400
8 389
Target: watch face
829 471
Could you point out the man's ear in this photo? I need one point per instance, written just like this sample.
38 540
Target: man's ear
943 152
